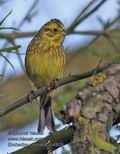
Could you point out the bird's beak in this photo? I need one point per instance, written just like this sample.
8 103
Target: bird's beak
64 33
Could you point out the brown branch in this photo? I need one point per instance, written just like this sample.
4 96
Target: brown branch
46 89
17 35
94 33
49 143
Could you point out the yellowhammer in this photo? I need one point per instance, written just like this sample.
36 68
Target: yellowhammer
44 63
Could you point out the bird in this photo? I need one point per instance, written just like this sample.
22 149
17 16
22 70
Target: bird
44 63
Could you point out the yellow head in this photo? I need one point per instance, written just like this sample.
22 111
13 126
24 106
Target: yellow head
53 31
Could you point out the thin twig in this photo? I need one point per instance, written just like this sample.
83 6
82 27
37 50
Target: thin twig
19 57
95 33
98 65
71 27
1 22
17 35
8 62
75 24
112 43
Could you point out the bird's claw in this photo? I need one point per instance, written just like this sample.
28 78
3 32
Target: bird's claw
54 84
30 95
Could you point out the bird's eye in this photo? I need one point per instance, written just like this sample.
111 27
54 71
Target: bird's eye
55 30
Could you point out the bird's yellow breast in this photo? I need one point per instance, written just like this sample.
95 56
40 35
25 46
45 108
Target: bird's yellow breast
43 68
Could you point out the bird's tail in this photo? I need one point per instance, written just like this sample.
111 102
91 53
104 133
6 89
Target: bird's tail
45 115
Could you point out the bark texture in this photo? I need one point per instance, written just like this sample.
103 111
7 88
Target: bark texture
94 110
